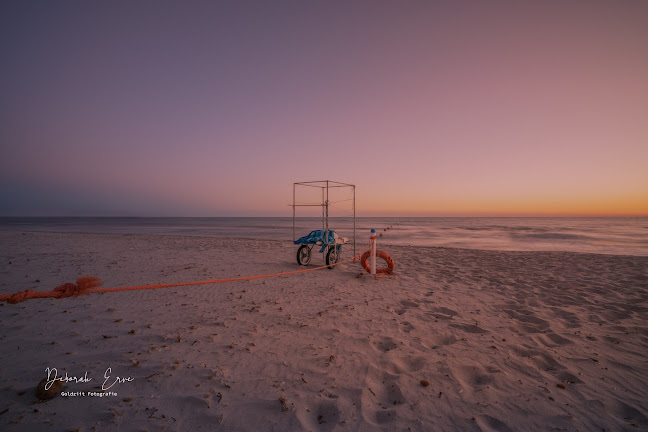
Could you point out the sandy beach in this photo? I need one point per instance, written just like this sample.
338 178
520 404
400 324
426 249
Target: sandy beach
457 339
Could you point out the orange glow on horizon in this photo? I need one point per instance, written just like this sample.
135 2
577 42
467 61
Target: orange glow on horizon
631 206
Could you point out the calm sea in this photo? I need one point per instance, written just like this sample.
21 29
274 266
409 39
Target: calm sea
621 236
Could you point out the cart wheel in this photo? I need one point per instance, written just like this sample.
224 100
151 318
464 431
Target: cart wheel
332 256
303 255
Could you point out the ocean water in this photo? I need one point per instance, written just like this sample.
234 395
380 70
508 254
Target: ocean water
619 236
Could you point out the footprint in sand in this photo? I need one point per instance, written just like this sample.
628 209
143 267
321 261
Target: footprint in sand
551 340
626 412
445 311
382 394
407 364
407 304
568 377
541 360
442 313
469 328
527 322
385 416
438 341
327 416
545 362
472 377
569 319
406 326
488 423
385 344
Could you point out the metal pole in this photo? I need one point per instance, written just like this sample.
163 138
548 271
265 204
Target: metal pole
326 233
293 236
354 223
373 251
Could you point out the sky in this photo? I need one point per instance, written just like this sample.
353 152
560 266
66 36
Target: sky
431 108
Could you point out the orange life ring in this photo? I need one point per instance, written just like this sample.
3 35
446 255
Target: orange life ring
380 254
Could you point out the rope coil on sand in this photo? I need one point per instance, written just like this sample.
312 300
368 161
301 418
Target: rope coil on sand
85 285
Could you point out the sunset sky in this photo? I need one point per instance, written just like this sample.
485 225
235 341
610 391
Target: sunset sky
214 108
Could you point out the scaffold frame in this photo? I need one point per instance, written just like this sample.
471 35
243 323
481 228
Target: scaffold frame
324 185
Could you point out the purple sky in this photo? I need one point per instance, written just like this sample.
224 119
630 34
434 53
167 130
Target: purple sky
210 108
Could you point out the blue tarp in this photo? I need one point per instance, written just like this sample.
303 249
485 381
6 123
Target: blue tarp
317 236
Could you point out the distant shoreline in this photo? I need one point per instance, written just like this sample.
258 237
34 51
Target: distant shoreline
611 236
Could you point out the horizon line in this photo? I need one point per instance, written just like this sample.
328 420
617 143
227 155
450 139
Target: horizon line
333 217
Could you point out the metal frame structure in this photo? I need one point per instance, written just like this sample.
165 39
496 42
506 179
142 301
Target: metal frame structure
325 185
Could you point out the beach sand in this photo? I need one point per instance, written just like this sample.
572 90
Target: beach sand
506 340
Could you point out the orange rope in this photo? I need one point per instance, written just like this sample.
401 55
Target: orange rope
85 284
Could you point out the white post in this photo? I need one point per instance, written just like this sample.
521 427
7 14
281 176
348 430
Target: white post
373 251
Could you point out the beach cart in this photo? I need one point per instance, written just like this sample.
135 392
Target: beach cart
331 248
329 241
